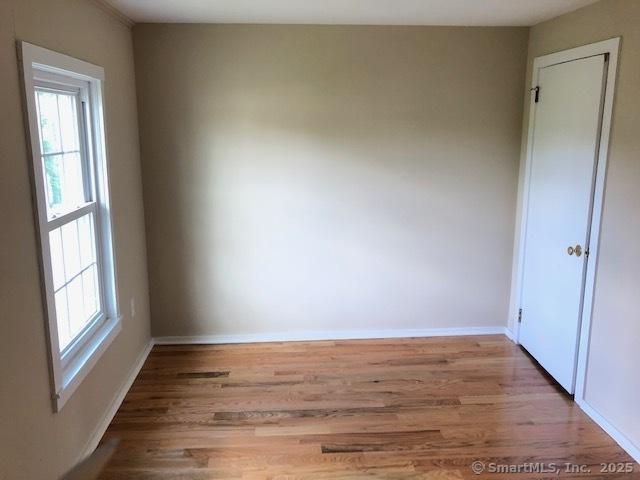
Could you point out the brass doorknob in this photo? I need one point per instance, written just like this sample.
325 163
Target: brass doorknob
577 250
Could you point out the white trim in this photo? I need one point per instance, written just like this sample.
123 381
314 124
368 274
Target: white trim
117 400
620 438
81 365
510 335
37 64
42 58
327 335
611 47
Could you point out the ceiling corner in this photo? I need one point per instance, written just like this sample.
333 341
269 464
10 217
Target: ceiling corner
106 6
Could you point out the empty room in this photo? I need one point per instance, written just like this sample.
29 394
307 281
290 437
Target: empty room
343 239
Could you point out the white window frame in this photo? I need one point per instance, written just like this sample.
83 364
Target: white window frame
41 67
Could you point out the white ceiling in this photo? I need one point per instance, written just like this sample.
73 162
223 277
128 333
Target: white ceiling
350 12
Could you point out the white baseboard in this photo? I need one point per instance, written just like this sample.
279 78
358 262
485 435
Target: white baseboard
620 438
328 335
97 434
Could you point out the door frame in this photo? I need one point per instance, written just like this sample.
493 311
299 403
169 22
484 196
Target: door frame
612 48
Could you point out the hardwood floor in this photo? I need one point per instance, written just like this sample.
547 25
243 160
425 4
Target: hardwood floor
415 408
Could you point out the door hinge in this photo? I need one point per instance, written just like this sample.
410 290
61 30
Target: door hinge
537 90
520 316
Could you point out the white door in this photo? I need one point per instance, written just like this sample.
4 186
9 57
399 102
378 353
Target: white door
561 181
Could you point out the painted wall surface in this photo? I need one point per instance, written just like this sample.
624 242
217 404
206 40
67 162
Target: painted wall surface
35 443
612 386
322 178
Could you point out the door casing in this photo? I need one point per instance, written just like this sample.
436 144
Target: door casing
610 47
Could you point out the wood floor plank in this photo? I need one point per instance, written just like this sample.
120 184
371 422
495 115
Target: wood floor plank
412 408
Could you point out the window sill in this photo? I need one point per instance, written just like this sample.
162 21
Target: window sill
76 371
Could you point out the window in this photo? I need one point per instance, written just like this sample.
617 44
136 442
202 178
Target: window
63 101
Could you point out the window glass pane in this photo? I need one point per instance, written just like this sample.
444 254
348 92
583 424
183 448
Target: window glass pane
71 249
64 183
57 259
62 317
66 180
54 175
68 124
49 121
87 240
90 291
73 194
76 306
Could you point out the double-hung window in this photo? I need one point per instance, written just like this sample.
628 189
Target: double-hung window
63 100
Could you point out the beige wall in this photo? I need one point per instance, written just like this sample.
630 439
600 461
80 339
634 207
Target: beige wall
34 442
319 178
612 379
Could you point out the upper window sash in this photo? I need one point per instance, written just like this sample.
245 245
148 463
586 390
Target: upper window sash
81 144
